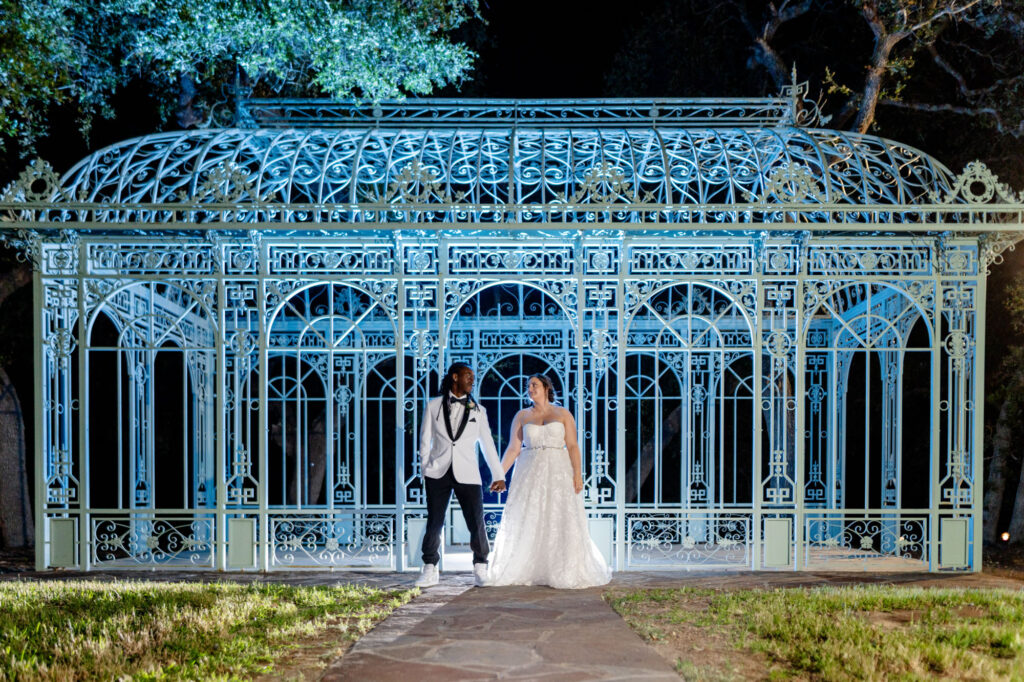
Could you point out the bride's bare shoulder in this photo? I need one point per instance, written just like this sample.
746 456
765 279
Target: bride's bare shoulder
564 415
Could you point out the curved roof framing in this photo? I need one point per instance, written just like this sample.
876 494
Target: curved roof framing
714 163
511 166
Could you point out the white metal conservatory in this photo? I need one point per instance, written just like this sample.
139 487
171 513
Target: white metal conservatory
771 334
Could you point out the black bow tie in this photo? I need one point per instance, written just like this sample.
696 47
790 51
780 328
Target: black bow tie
453 399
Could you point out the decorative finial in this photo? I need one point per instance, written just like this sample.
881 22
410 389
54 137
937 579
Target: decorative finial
795 95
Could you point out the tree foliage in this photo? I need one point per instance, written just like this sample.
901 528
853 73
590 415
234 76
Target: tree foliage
79 53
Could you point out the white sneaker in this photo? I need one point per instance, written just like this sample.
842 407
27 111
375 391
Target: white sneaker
480 575
428 576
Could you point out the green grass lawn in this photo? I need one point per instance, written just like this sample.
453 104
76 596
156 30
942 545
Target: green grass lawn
839 633
83 629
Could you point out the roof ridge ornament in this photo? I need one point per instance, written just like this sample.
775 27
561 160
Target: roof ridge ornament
803 112
417 113
977 184
37 183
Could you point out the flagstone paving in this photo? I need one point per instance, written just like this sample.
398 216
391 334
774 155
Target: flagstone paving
508 633
457 632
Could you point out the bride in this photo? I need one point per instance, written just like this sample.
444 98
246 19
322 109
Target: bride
543 537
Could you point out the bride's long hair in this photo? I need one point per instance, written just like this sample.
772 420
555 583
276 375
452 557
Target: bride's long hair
547 383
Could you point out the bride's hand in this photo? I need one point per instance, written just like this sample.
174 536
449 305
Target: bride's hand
577 483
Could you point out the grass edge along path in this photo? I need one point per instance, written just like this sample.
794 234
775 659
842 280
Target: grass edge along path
86 629
834 633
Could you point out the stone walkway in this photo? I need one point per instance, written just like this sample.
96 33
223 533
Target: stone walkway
456 632
507 633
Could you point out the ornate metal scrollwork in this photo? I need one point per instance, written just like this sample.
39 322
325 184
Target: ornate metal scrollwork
995 244
418 184
37 183
803 111
27 244
602 184
977 185
790 183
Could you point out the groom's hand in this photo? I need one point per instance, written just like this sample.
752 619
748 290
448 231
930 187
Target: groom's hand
498 487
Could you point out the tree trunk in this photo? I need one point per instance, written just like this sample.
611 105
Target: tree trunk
189 116
764 53
16 525
766 57
884 43
670 427
997 474
1016 528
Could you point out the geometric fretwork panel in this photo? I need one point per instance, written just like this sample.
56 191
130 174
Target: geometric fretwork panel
716 383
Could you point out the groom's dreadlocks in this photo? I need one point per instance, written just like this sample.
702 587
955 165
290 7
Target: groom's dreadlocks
446 382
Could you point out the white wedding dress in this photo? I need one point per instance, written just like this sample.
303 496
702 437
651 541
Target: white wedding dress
543 537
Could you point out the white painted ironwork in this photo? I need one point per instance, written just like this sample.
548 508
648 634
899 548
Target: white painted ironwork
761 328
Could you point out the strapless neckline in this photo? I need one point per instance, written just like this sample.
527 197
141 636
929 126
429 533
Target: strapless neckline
541 436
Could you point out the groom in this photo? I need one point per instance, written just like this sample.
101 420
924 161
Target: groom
452 426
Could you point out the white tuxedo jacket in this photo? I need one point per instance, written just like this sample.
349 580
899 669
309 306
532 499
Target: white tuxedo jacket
438 452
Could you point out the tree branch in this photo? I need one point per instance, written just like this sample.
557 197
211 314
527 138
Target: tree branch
787 13
741 13
1007 18
948 12
962 86
982 112
765 54
967 48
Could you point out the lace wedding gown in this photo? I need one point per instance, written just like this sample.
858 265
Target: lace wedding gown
543 537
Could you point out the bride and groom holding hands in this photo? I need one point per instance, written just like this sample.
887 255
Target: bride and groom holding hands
543 538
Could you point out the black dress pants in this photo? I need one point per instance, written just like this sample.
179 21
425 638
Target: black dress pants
471 498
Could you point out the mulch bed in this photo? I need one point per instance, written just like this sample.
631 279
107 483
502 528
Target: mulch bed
17 560
1004 560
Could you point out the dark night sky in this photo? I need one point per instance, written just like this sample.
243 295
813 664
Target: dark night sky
558 49
552 49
